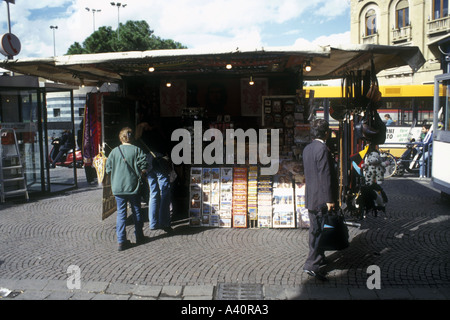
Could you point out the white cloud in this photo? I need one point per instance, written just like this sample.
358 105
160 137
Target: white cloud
334 39
195 23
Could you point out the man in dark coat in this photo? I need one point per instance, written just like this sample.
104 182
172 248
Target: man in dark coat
67 143
321 191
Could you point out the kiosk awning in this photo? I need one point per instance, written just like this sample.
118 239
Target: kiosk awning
327 63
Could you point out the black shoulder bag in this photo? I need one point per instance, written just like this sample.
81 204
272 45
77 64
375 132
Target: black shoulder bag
334 235
160 162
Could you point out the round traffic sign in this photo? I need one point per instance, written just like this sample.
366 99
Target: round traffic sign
9 45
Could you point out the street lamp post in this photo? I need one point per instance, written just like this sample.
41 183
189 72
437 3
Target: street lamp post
93 15
118 5
54 42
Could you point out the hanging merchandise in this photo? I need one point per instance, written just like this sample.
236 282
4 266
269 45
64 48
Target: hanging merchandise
373 168
365 171
357 159
372 198
92 135
373 129
99 165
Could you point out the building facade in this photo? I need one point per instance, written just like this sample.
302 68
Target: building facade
421 23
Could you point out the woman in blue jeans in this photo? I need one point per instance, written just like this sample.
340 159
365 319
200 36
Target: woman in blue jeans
153 142
125 163
159 201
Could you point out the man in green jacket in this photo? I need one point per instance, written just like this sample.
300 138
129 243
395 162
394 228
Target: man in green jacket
126 163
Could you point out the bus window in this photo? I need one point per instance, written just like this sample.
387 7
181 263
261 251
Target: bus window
443 120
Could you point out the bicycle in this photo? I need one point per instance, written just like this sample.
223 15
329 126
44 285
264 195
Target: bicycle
391 161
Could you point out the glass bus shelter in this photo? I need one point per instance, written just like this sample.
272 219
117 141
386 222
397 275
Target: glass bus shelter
23 107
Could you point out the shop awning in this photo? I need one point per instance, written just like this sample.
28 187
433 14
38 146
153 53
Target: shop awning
327 63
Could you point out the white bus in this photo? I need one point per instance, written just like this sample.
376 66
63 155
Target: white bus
440 170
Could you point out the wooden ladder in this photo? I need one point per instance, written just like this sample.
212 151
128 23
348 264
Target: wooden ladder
12 176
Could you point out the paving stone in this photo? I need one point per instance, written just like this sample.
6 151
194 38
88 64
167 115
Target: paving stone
147 291
83 295
102 296
198 291
33 295
120 288
171 291
394 294
427 294
58 295
94 286
37 246
362 294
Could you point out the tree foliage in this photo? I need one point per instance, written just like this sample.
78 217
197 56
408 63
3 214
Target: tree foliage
131 36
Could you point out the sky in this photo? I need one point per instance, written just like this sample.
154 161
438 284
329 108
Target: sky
197 24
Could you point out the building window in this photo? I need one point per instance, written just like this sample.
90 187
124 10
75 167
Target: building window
402 14
56 112
371 22
440 9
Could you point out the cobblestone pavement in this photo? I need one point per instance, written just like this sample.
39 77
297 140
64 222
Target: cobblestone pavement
40 239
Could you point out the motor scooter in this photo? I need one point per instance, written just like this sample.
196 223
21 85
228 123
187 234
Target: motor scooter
67 159
409 160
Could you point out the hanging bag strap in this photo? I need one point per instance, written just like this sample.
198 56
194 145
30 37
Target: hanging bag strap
123 157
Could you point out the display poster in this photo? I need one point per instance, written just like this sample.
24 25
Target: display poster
252 196
301 211
265 202
240 198
195 196
109 205
401 135
226 197
214 220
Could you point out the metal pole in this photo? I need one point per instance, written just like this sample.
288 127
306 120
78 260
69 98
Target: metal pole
54 44
118 21
9 17
93 20
54 39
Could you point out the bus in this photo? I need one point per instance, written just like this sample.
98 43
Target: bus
409 106
440 170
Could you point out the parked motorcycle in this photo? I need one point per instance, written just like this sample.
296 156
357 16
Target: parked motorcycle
409 160
67 158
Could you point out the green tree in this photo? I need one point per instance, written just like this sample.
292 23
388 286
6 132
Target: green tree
133 36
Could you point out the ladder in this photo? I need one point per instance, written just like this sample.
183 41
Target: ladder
12 176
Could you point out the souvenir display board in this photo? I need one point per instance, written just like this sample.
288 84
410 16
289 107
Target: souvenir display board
226 197
204 205
283 195
265 202
252 196
279 112
195 196
240 197
288 114
301 211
